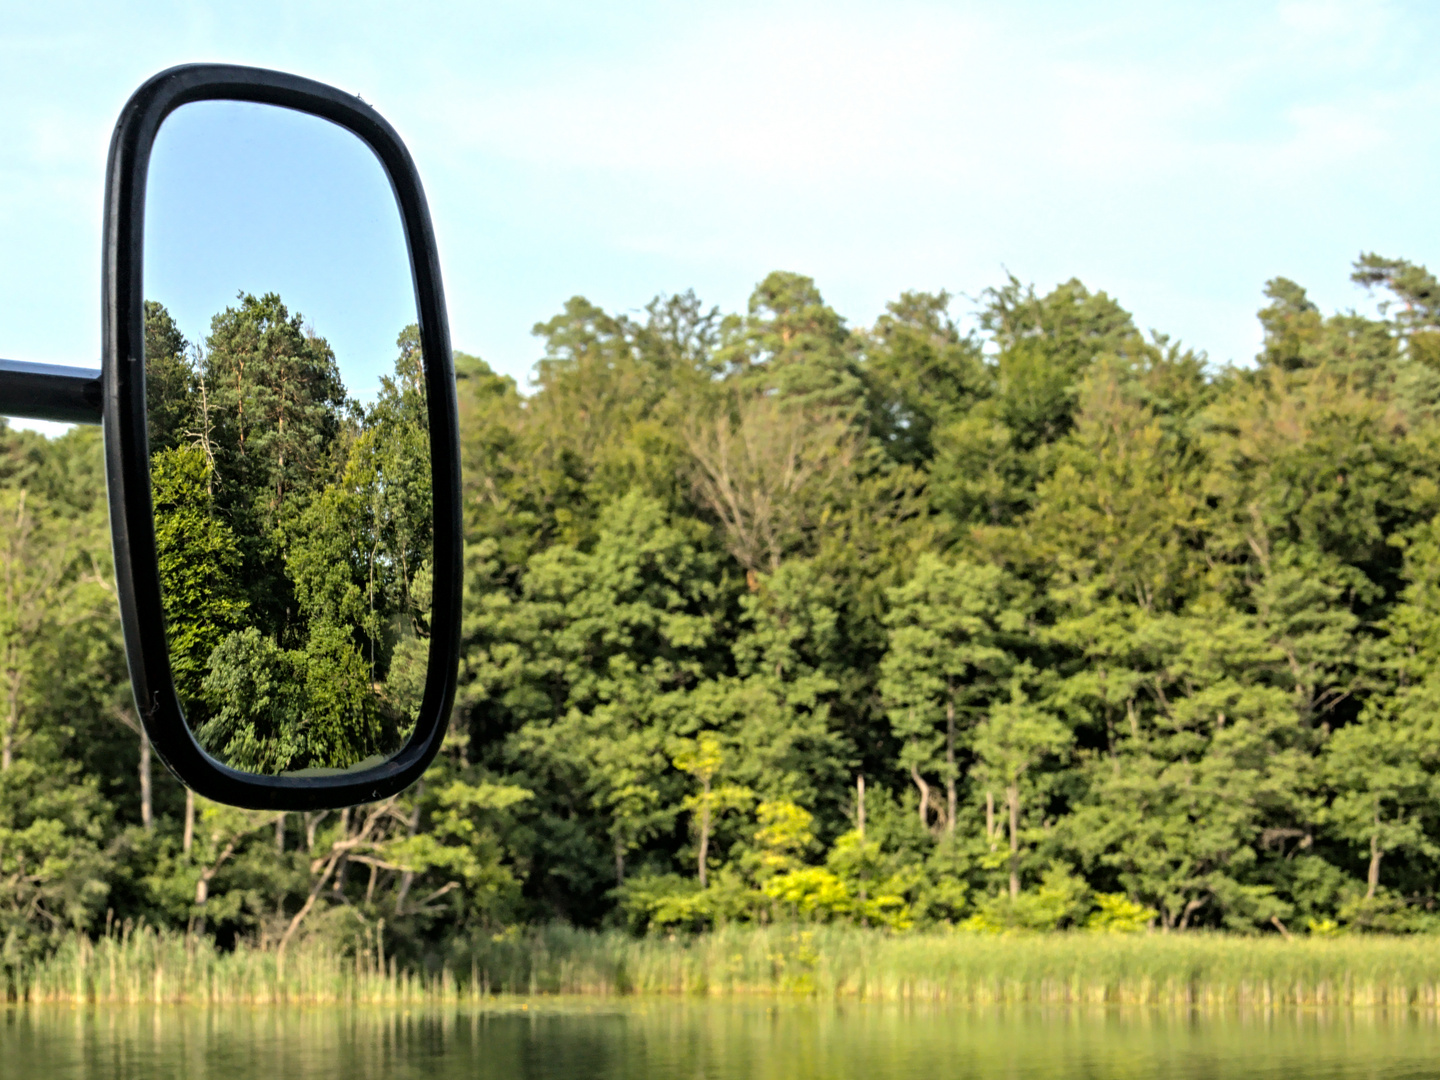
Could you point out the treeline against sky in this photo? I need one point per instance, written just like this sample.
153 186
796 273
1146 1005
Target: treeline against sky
1049 624
293 532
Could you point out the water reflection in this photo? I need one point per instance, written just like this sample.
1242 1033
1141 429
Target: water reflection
668 1040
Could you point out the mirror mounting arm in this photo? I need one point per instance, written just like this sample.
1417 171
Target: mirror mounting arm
66 395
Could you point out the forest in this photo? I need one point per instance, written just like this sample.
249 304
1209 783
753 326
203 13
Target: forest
293 534
998 615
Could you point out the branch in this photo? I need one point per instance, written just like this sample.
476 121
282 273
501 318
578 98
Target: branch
435 896
126 717
338 850
379 864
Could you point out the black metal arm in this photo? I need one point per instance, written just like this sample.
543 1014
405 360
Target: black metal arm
69 395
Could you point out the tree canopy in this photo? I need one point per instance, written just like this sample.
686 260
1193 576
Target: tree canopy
1045 622
293 531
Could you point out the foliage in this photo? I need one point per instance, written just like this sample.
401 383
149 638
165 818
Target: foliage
897 632
293 532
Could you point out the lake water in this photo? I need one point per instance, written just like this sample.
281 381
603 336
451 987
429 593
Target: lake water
667 1040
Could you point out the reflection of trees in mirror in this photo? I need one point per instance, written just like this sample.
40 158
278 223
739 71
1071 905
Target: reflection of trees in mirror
293 531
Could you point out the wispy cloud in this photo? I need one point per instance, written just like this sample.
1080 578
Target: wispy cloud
1175 154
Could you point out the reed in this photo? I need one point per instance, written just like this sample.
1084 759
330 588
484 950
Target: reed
1189 970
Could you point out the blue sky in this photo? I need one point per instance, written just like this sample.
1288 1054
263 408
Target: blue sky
1176 156
255 198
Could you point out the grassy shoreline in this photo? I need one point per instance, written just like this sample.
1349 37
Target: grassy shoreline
1191 970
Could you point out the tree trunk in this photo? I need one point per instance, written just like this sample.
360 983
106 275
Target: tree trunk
860 806
12 721
299 916
860 829
924 796
202 893
990 819
328 865
950 762
280 833
188 839
704 831
1372 880
129 720
407 879
337 884
202 887
312 822
1012 794
147 813
619 857
1190 909
12 652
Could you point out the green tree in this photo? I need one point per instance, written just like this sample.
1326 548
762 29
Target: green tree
1011 742
200 562
921 373
704 758
953 631
1383 771
170 390
274 710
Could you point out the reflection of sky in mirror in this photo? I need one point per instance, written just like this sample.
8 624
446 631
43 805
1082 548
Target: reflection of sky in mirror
261 199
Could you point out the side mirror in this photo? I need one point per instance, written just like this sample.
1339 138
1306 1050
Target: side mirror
288 562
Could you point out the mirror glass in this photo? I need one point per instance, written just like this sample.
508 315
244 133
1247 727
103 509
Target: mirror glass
289 451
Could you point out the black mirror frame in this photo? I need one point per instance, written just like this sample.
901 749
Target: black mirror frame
127 455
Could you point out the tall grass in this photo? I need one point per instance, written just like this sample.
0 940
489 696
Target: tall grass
1193 970
149 966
